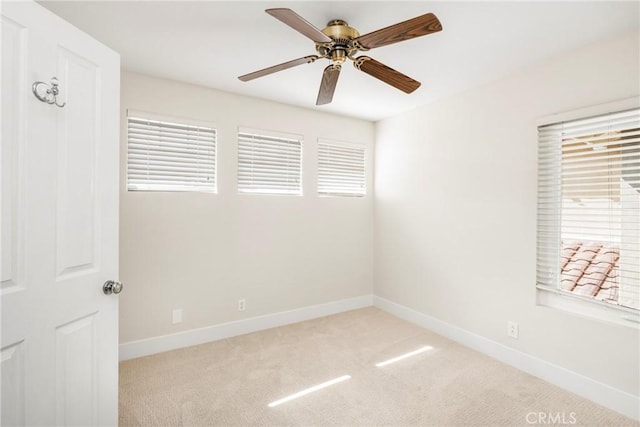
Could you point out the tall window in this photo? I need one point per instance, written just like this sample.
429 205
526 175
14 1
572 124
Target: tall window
169 155
341 169
589 208
269 163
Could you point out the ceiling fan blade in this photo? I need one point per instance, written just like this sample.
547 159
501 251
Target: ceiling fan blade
328 84
415 27
299 24
279 67
386 74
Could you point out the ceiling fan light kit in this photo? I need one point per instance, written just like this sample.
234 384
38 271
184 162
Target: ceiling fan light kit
338 42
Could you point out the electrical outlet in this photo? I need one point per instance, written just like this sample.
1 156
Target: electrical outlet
512 329
176 316
240 305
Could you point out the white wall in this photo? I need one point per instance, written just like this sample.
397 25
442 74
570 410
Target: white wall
202 252
455 210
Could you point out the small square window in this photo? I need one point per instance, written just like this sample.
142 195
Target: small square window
269 163
169 155
341 169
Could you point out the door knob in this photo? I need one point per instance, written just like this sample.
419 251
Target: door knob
112 287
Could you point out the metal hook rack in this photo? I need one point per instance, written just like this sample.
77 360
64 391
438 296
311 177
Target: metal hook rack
47 93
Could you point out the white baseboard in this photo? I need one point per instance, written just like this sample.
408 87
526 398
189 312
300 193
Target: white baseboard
602 394
146 347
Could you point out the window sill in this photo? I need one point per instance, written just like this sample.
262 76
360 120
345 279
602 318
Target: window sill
581 306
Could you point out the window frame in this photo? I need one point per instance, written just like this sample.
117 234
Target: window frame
566 301
169 188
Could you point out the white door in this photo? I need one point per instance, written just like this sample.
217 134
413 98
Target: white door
59 333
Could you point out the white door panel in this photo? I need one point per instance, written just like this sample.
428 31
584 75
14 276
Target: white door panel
14 60
76 366
12 368
77 136
59 223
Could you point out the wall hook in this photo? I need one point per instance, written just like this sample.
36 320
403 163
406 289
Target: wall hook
47 93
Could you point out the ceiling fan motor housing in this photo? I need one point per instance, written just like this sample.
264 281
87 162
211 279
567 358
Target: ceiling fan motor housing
341 35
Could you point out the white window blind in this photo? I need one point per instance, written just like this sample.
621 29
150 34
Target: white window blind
589 208
269 163
341 169
166 155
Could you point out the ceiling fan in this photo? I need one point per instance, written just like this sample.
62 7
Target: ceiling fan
339 42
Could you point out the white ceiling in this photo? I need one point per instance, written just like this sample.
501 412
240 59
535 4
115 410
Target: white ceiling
211 43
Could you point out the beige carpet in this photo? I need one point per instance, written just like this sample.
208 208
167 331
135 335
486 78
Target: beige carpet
232 381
